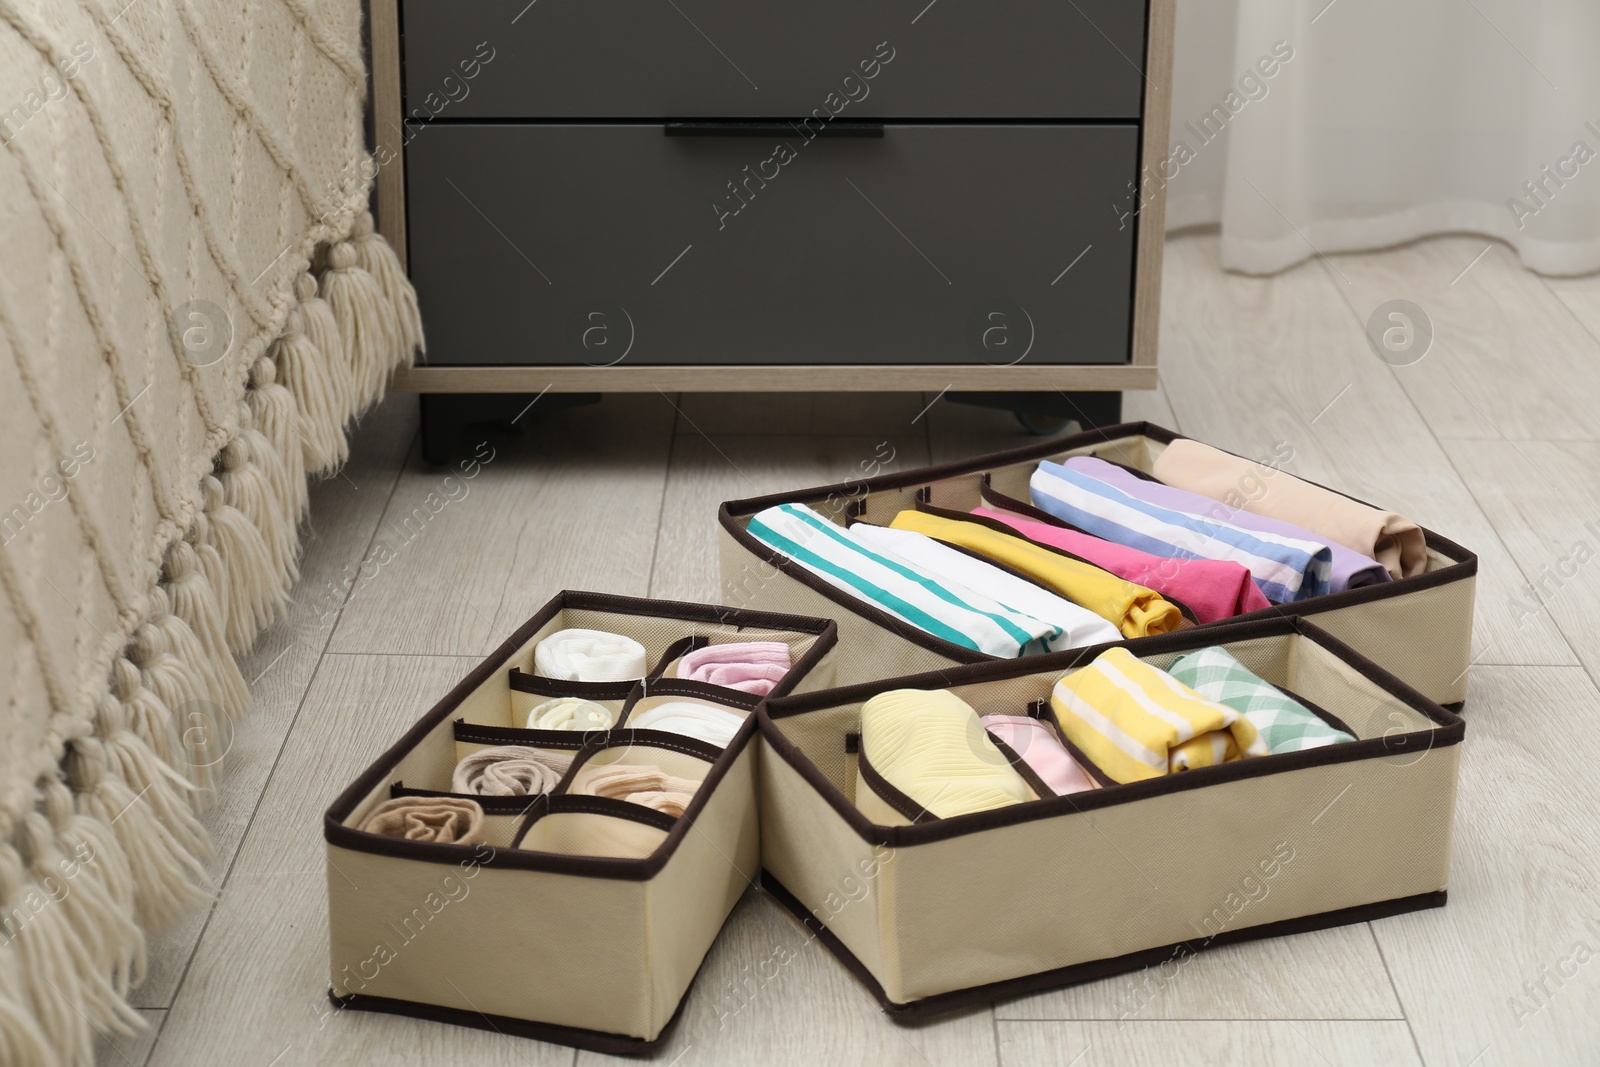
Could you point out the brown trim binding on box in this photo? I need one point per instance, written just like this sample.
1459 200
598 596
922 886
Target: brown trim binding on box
572 1036
941 1003
1464 565
1451 730
342 836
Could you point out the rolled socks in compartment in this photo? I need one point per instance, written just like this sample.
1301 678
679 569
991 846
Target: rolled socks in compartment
715 726
748 666
1042 751
930 746
1137 722
647 785
509 771
579 655
571 713
440 820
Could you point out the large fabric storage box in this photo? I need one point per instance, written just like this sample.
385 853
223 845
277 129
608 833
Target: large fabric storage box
938 914
530 933
1419 627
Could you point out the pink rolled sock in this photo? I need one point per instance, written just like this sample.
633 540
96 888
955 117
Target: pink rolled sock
748 666
1042 751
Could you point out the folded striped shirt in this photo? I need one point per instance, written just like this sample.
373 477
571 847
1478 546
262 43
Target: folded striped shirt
960 615
1285 724
1079 626
1136 722
1349 569
1133 609
1285 569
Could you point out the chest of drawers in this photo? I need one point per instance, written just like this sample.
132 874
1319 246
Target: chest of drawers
628 195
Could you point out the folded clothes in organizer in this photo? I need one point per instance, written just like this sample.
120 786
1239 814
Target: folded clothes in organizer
1078 625
1137 722
570 713
748 666
962 616
1135 610
1040 748
509 771
440 820
1284 569
1346 569
715 726
930 746
647 785
1214 589
1393 540
1285 724
579 655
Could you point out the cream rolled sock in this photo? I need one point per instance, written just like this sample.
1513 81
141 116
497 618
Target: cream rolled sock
509 771
715 726
579 655
571 713
647 785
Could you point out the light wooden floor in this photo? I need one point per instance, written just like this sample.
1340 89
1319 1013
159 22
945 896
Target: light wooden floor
1493 439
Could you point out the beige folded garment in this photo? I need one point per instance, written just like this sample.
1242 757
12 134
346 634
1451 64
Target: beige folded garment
1392 540
571 713
636 783
441 820
509 771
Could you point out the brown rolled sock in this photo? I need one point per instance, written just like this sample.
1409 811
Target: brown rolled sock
440 820
509 771
646 785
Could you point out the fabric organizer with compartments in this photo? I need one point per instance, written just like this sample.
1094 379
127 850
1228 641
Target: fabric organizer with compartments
1071 888
578 919
1419 627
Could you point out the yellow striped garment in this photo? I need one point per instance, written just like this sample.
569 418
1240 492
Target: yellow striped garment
1136 722
1132 609
930 745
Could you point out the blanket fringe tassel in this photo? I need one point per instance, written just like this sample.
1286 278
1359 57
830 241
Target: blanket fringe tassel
113 846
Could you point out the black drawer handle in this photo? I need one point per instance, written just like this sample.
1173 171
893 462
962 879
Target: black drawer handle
806 128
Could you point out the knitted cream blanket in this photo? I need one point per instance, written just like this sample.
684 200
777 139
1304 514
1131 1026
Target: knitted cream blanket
193 306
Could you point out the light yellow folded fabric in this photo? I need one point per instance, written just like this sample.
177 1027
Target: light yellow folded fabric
1392 540
930 745
1136 722
571 713
1133 609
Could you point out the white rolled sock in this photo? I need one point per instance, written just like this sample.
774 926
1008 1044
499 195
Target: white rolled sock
579 655
714 726
571 713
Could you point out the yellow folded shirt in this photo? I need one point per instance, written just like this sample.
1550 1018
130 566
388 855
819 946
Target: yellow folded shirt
1133 609
930 745
1136 722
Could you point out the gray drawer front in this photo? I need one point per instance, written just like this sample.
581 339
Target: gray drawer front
644 59
582 244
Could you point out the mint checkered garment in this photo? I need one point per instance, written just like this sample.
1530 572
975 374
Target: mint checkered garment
1284 723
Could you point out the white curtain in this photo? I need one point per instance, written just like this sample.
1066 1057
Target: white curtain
1304 126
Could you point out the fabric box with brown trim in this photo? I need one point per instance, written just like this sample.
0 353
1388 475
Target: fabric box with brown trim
1419 627
1070 888
578 919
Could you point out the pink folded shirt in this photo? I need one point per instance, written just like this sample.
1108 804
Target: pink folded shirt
1042 751
1213 589
748 666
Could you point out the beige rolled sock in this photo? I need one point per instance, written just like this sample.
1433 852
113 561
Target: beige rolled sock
441 820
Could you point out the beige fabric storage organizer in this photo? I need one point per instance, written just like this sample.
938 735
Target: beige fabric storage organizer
522 934
1419 627
941 914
